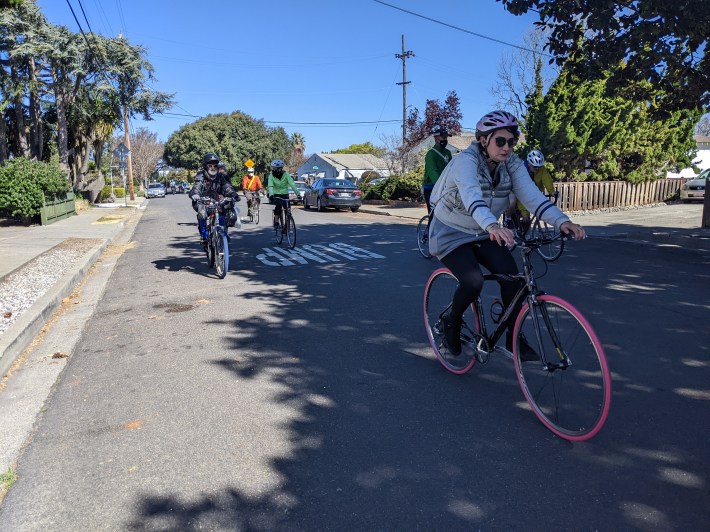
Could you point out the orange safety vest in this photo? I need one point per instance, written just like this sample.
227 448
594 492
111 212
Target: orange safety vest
253 183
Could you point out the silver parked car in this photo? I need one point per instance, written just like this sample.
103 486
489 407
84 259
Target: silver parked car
695 188
155 190
338 193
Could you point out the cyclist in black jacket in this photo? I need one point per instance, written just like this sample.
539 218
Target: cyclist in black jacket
214 185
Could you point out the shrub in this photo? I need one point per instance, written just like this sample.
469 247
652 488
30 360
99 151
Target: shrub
404 188
104 194
24 184
119 192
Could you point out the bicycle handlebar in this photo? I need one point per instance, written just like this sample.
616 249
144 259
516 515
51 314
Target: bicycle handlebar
539 242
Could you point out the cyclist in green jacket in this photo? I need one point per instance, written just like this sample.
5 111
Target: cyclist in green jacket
436 159
279 181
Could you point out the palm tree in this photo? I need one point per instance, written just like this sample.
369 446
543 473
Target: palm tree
298 147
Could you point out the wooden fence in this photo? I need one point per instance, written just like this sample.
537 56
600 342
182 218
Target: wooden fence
57 209
591 195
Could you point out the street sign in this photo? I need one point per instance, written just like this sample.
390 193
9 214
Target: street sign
249 163
121 152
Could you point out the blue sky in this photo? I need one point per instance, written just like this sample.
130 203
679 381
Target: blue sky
309 61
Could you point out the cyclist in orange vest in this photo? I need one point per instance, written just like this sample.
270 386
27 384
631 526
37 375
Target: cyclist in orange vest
251 184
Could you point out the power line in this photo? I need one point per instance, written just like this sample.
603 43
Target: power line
354 123
462 29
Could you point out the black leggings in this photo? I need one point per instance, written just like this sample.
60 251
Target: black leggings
464 262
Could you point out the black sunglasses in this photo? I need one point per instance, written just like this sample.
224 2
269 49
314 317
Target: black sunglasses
501 141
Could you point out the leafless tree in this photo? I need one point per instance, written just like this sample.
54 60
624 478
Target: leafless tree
400 159
516 73
703 126
146 151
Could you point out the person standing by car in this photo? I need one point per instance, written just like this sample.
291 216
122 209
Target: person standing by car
279 181
434 163
251 184
215 186
468 199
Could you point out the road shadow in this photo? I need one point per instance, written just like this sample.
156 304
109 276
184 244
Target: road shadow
379 436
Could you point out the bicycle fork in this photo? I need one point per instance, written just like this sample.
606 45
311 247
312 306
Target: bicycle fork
564 361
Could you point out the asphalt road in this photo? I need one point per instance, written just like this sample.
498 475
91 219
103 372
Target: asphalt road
299 393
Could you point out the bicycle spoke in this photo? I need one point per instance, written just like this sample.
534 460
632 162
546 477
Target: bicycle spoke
437 300
569 389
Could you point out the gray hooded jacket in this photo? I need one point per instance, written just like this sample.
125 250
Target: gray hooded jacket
469 199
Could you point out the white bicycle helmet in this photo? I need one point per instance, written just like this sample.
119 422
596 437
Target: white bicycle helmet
536 158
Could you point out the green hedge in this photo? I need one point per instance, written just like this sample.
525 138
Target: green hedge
22 183
403 188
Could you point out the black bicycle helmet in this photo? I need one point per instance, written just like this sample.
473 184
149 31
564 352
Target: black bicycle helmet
209 158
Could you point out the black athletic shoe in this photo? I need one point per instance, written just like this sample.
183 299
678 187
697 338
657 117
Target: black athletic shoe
452 333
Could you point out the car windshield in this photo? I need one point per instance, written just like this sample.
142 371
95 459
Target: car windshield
155 185
338 183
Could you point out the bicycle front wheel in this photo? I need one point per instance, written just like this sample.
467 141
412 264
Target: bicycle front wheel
221 261
423 237
256 212
291 231
438 295
569 388
553 250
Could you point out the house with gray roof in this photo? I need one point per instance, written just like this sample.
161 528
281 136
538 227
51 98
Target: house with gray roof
352 166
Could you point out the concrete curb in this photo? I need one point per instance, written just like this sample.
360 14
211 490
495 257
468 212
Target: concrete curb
20 334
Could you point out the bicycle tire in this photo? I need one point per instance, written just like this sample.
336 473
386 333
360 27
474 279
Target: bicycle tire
221 255
573 401
552 251
256 212
423 236
278 232
290 231
210 251
438 294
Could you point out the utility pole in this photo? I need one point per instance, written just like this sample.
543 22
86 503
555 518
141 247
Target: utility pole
127 142
404 56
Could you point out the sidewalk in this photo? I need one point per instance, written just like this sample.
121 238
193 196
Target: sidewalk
20 245
665 224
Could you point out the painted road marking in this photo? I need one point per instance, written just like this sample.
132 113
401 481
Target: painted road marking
319 253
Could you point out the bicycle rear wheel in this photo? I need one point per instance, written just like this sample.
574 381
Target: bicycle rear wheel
438 294
553 250
569 389
278 232
210 251
423 237
221 261
291 231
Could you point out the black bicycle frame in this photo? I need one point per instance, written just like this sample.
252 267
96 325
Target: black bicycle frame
528 291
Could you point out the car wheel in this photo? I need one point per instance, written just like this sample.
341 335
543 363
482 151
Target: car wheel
305 203
319 207
354 209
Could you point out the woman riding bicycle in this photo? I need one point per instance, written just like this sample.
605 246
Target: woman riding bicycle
464 233
279 181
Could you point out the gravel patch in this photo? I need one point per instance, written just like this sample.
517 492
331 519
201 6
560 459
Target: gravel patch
22 288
